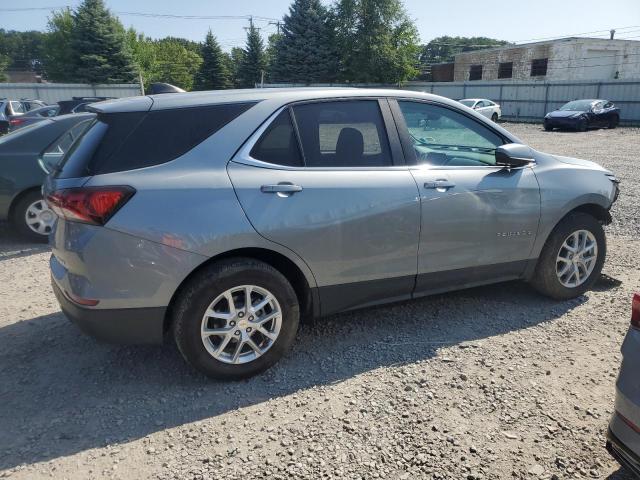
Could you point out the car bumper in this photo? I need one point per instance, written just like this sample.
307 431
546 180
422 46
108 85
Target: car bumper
622 453
561 122
121 326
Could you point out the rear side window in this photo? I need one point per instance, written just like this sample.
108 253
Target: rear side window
278 144
343 134
126 141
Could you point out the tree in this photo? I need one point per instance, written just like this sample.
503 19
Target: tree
23 49
304 52
174 64
213 73
58 56
254 59
234 60
4 63
377 41
98 45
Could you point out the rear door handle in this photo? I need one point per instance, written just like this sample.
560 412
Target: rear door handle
437 184
289 188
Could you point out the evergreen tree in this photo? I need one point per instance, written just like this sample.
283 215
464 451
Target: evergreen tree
57 47
254 61
305 53
98 45
4 63
234 61
377 41
213 73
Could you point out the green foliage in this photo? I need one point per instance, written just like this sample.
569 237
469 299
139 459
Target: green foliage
234 60
444 49
23 49
58 56
304 51
213 73
254 59
4 63
377 41
98 46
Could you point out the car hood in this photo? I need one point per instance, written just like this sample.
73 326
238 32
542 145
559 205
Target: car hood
564 113
581 163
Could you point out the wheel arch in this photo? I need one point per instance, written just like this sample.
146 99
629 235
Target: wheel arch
16 199
307 295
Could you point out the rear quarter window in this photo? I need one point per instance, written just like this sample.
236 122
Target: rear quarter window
127 141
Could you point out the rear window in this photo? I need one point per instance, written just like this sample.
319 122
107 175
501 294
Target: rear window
126 141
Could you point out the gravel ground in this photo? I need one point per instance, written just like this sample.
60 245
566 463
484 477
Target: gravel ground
489 383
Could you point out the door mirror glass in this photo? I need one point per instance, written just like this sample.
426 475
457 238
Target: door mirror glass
514 155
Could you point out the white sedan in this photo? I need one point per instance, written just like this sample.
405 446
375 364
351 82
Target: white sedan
483 106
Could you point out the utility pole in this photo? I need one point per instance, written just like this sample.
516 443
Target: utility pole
612 32
278 24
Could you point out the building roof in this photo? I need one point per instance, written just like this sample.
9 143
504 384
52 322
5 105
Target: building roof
557 40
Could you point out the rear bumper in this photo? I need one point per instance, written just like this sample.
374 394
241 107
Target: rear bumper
622 454
122 325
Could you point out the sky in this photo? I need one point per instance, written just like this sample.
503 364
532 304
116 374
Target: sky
514 20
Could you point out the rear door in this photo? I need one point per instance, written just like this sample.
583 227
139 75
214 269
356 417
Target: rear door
327 180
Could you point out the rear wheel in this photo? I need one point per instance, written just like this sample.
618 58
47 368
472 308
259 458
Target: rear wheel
582 125
32 218
572 258
236 318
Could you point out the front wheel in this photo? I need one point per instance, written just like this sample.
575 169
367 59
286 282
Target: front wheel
572 258
547 126
613 122
32 218
582 125
235 318
494 118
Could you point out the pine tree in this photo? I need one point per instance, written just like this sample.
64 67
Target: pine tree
305 53
254 60
213 73
98 45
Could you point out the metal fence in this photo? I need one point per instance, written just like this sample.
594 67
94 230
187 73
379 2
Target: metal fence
526 101
54 92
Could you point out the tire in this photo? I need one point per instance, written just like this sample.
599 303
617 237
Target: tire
212 283
582 125
547 126
494 118
19 217
613 123
546 279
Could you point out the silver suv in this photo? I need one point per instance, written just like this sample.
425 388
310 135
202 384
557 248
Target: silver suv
225 217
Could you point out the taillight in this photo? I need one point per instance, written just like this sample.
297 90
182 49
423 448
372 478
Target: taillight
635 310
16 121
95 205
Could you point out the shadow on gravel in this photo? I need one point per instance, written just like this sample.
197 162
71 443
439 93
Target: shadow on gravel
61 392
12 246
621 474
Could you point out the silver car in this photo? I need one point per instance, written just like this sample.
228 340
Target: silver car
226 217
623 436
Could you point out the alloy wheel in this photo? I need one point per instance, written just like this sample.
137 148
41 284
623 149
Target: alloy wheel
577 258
39 217
241 324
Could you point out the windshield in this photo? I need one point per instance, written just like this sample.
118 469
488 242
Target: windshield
577 106
468 103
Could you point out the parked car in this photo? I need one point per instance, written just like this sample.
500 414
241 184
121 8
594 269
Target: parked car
623 435
583 114
224 217
78 104
26 156
33 116
484 107
13 108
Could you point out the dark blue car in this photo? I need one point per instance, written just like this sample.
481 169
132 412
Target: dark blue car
582 114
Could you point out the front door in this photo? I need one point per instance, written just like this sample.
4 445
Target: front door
479 220
341 202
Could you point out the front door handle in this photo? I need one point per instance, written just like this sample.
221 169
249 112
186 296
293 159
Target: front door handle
284 188
439 184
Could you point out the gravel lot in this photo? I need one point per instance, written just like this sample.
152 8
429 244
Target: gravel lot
489 383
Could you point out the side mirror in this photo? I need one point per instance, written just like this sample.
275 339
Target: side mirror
514 155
